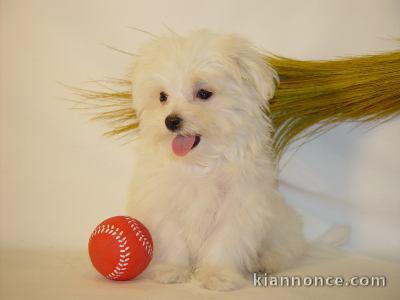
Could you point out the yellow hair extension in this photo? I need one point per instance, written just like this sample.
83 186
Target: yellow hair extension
315 95
312 96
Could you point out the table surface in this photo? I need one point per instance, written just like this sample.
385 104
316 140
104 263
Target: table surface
54 274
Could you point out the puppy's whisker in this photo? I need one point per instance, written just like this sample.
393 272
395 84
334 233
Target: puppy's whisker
119 50
143 31
170 30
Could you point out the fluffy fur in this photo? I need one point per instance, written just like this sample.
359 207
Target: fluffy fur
215 213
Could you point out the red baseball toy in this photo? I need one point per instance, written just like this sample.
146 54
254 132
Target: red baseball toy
120 248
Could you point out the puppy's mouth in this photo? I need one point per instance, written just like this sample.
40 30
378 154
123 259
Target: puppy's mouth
182 144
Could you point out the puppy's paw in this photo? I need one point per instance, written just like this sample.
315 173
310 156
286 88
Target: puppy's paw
169 273
219 279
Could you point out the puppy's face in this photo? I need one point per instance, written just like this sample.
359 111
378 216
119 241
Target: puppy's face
199 97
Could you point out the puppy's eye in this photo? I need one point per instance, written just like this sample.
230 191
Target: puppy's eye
163 96
203 94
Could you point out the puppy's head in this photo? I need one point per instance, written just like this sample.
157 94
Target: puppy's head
202 96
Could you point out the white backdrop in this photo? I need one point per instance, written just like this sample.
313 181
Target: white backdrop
59 177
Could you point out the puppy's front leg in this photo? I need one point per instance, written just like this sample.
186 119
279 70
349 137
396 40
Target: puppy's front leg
171 257
231 249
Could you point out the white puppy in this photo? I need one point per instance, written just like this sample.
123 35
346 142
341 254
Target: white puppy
204 181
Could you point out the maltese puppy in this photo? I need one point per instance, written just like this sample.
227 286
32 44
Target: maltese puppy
204 181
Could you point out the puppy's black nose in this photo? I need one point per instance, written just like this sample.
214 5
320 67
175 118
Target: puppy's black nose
173 122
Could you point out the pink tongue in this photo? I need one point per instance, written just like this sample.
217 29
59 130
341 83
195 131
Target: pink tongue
181 145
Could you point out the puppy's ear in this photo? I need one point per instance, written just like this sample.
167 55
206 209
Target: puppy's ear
251 68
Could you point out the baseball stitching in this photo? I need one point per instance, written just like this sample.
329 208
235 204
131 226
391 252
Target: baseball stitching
142 238
125 253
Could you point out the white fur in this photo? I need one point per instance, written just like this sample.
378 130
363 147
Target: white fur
215 213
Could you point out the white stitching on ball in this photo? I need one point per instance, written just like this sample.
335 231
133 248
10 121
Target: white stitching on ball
142 238
125 254
123 261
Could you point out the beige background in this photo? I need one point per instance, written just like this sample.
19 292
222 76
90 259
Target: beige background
59 177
